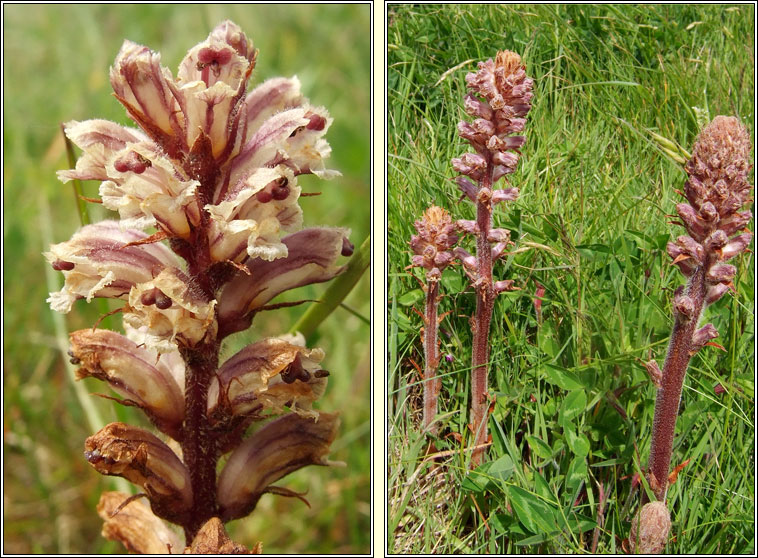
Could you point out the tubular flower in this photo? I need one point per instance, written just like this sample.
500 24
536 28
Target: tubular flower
151 381
214 170
279 448
168 312
210 159
100 261
268 375
135 454
312 256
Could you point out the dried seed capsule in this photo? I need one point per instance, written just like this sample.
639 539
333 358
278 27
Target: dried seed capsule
650 529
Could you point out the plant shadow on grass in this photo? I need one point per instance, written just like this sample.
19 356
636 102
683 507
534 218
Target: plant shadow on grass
572 405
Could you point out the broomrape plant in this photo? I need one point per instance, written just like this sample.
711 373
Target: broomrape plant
715 191
213 169
500 99
431 246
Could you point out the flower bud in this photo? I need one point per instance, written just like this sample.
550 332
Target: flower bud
654 371
703 336
279 448
141 85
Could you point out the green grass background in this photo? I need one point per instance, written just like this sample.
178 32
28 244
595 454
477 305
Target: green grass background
573 406
56 61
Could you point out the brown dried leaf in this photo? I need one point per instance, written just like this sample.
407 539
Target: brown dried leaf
135 526
213 539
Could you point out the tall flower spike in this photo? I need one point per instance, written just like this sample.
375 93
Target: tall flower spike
716 189
214 170
432 251
499 100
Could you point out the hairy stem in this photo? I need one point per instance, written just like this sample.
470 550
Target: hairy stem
670 392
432 384
198 445
485 300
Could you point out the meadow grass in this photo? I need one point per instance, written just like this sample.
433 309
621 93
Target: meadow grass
55 70
572 404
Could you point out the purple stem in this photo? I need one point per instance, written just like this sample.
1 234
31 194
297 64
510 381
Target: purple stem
198 444
432 384
670 392
485 300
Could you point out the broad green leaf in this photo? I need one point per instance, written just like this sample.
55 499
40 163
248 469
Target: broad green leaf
451 283
533 513
577 472
534 539
502 468
572 406
561 377
540 448
579 444
411 297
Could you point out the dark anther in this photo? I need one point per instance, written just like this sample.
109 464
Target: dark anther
297 131
148 297
295 371
320 373
140 163
264 196
347 247
73 358
121 165
162 301
60 265
316 122
280 192
132 161
211 56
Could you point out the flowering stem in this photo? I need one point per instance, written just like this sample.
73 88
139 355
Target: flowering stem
198 446
432 384
670 392
485 301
